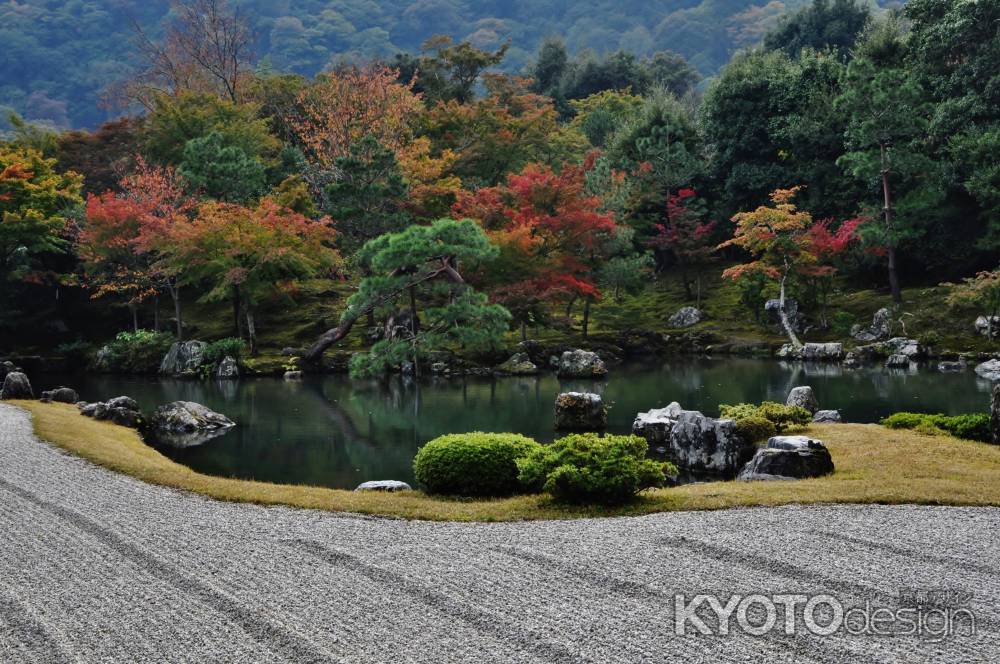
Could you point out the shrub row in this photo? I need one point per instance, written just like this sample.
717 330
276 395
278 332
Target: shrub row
973 426
581 468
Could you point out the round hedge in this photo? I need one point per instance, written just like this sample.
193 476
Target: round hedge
472 464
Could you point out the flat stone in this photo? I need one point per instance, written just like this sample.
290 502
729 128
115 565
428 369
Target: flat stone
384 485
827 416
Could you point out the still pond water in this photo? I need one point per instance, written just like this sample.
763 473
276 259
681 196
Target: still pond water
332 431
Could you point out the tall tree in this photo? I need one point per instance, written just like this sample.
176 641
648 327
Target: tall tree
446 70
823 24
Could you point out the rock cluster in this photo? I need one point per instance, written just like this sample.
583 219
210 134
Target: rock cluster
186 423
119 410
909 348
694 441
990 370
880 328
16 386
812 352
788 457
60 395
685 317
184 359
988 326
581 364
580 411
655 425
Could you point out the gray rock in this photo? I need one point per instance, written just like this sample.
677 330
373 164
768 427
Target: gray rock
897 361
789 456
6 367
16 386
990 370
128 403
519 364
440 368
772 309
228 368
122 410
655 425
880 328
851 360
62 395
995 415
803 396
186 424
828 352
580 411
292 375
685 317
702 443
89 409
183 359
581 364
947 367
827 416
103 359
384 485
988 326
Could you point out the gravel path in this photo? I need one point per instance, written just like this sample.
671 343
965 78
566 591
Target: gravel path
98 567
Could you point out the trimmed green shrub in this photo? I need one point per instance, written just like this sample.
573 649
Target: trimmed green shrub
138 352
230 346
588 468
755 428
781 417
972 426
472 464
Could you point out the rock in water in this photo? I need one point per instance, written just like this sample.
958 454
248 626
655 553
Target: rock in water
581 364
228 368
519 364
789 456
803 396
186 424
580 411
827 416
384 485
183 359
655 425
990 370
16 386
706 444
946 367
685 317
995 415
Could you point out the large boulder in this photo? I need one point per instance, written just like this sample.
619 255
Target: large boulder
685 317
880 328
789 456
6 367
995 415
227 368
183 359
519 364
909 348
827 417
16 386
705 444
581 364
61 395
580 411
828 352
988 326
655 425
803 396
186 424
121 410
990 370
384 485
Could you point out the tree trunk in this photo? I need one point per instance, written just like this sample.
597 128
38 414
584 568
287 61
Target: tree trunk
156 313
413 311
586 316
175 294
784 316
524 331
569 306
897 294
237 314
135 316
251 332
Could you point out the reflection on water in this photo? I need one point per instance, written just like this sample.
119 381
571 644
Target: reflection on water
332 431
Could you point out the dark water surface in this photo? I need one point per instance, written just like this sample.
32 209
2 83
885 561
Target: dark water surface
332 431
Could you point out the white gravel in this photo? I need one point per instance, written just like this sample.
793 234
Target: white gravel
98 567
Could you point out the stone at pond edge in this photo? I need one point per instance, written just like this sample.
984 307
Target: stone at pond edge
685 317
772 309
384 485
61 395
995 415
702 443
880 328
292 375
812 352
228 368
789 456
16 386
519 364
827 417
897 361
6 367
655 425
580 411
990 370
803 396
581 364
945 367
122 410
188 417
183 359
987 325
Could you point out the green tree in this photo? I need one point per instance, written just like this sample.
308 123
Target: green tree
220 171
420 266
447 71
821 25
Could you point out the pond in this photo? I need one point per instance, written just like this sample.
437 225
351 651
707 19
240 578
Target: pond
332 431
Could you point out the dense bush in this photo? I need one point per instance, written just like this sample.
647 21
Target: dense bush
76 353
230 346
135 352
973 426
587 468
780 416
472 464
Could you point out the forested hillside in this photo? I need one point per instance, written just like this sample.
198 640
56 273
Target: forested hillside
59 56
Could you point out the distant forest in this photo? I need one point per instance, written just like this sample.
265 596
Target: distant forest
60 56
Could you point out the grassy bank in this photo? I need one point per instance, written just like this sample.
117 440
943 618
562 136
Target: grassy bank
874 465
